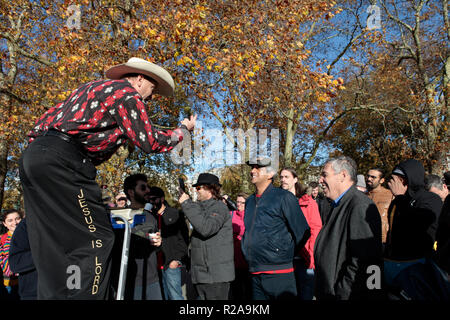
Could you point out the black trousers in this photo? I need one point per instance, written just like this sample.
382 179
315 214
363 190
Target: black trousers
69 228
213 291
280 286
241 286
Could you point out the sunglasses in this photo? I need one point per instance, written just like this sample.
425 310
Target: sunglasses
122 199
198 188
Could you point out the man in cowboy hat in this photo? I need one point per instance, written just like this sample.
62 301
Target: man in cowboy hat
69 227
212 253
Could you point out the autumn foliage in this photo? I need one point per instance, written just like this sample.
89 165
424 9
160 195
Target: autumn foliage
240 64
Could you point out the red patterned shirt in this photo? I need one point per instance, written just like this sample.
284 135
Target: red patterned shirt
102 115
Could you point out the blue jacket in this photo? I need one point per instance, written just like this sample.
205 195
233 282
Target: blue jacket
274 227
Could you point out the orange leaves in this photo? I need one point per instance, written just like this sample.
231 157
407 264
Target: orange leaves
210 61
184 60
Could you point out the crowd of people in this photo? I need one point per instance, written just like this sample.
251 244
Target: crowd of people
355 239
292 241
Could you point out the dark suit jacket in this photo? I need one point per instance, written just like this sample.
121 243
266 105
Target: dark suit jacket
346 246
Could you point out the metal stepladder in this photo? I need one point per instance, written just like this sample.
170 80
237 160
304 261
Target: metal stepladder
125 219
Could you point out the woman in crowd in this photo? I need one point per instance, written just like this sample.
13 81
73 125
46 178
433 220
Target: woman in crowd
241 286
304 260
10 219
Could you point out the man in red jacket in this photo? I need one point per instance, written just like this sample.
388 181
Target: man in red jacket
304 260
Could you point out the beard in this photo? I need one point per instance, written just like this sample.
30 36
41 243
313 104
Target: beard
372 186
157 204
140 198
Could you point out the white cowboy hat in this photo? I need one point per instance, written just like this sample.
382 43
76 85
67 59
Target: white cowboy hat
136 65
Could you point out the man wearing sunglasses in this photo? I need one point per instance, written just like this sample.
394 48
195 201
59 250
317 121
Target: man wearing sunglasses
142 274
212 255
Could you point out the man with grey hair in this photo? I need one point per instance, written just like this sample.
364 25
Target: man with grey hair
350 241
274 227
435 184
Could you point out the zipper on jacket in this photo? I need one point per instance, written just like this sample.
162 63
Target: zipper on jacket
251 228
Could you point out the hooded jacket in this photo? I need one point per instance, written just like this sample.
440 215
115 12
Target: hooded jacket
413 217
310 210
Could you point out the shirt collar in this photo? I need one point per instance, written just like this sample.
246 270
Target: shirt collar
336 202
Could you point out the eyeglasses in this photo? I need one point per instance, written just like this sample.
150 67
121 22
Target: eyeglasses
121 199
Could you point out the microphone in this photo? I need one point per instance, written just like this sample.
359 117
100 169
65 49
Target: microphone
148 207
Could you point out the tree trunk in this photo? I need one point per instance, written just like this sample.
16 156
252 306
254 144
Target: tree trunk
290 132
3 168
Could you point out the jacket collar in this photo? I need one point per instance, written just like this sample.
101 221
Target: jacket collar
269 187
336 202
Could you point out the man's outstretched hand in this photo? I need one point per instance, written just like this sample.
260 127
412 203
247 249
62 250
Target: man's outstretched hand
190 123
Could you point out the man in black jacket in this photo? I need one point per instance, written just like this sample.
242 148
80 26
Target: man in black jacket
174 233
413 218
413 214
443 238
21 262
274 227
142 273
348 252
